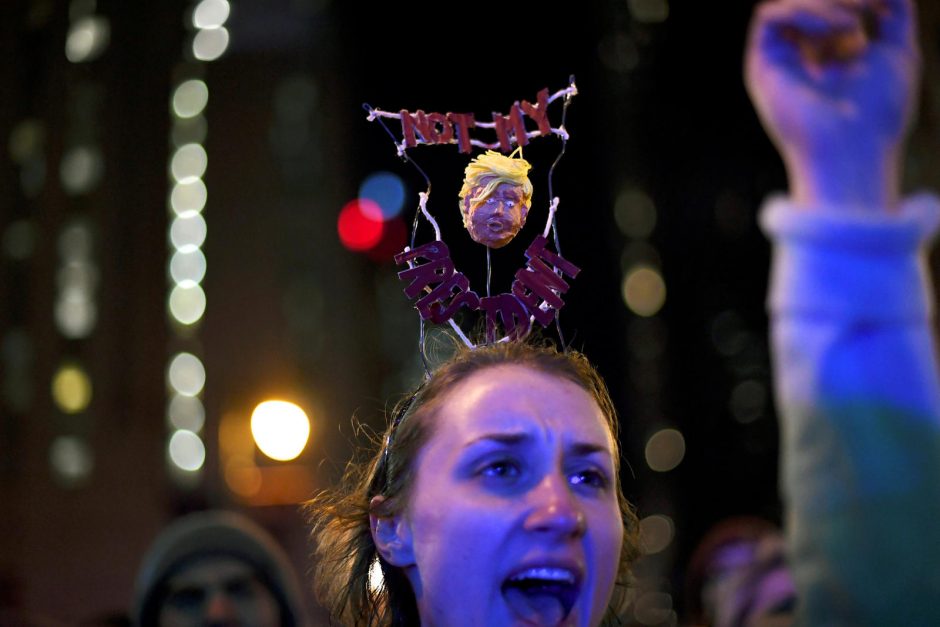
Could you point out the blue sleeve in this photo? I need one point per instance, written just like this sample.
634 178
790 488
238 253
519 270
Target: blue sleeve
856 386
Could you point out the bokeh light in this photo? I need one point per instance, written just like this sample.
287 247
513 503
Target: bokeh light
81 169
75 311
211 13
665 450
71 389
656 533
87 39
210 44
644 290
187 303
71 459
186 412
188 233
655 609
186 374
189 197
358 231
280 429
188 163
634 213
190 98
387 193
186 450
75 314
188 268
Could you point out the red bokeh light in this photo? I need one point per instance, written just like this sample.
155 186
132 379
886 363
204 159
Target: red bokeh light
357 230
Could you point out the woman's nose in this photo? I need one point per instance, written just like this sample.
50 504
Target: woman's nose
555 508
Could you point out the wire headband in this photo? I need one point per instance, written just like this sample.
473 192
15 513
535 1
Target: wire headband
495 202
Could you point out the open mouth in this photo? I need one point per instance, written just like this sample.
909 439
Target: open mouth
542 596
497 226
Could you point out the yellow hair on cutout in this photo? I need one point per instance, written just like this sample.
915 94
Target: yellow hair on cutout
489 170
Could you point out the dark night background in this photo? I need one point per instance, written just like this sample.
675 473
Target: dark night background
661 115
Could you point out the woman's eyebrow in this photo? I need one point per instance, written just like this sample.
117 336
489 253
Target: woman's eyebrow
580 449
508 439
583 449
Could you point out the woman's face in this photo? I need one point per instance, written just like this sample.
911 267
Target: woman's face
513 517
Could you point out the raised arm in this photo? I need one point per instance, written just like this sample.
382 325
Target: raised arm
834 82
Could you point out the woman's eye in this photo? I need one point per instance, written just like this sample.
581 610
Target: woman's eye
590 478
502 469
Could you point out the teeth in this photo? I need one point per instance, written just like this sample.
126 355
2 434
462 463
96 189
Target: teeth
547 574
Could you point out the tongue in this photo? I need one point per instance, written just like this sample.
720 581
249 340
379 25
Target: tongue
536 606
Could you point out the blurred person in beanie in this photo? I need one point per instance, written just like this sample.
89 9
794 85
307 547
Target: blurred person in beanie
216 568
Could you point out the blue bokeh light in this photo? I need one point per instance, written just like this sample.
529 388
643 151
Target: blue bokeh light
387 191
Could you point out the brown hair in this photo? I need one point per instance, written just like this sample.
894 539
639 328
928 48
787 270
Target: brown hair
339 518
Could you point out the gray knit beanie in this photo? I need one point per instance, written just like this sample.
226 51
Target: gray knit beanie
208 533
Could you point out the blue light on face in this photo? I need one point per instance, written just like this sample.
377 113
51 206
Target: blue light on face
385 189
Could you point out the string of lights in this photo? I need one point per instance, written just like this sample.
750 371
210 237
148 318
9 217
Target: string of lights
186 301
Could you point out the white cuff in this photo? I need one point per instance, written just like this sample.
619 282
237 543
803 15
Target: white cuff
850 264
